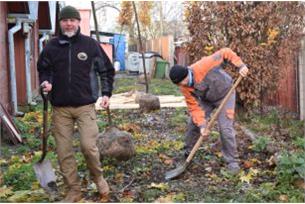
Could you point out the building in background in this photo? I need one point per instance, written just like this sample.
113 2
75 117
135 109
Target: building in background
24 29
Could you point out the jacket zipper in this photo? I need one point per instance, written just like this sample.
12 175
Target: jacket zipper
69 89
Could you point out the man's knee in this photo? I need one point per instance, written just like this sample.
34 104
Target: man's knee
228 132
89 149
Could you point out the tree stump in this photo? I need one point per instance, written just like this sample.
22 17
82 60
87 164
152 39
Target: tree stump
138 95
149 102
116 144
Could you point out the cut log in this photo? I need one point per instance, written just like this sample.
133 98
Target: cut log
149 102
138 95
116 144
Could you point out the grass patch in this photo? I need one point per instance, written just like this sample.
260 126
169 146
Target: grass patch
164 87
291 166
156 86
122 85
260 143
179 118
19 176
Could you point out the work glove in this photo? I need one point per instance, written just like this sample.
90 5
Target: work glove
243 71
204 133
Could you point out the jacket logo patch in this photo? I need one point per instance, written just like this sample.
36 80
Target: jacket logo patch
82 56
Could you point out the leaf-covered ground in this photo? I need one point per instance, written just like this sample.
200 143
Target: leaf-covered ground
273 165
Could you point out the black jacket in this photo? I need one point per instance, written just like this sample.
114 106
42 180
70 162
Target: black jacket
71 66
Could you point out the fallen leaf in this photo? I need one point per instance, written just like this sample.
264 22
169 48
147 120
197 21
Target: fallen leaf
208 169
300 183
37 153
271 161
26 158
218 154
126 200
212 176
165 159
254 161
5 192
14 159
248 164
35 185
161 186
283 198
168 161
245 177
130 127
3 162
28 196
128 197
119 177
104 198
250 147
165 199
253 172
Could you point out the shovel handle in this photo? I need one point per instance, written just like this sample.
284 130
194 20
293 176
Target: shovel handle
212 121
109 116
44 138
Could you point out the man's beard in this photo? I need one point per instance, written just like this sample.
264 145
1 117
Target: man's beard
69 34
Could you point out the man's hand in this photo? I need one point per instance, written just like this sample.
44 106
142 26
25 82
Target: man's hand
47 87
244 71
105 102
204 133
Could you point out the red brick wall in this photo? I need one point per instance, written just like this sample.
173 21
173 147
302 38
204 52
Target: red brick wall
4 66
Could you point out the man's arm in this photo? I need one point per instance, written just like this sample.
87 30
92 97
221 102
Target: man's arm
44 68
229 55
195 110
106 71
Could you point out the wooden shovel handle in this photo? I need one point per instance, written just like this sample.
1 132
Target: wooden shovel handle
45 124
212 121
109 116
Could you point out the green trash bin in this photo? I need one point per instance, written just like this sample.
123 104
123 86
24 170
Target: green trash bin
160 69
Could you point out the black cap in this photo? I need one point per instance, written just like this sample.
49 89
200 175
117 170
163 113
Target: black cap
69 12
178 73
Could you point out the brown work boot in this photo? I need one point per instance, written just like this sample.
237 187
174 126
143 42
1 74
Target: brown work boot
72 196
102 186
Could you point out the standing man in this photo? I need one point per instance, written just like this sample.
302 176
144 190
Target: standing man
68 68
204 84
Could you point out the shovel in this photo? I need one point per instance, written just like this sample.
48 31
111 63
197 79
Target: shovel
43 168
180 169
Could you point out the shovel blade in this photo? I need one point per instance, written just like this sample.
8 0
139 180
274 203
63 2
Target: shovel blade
175 172
45 175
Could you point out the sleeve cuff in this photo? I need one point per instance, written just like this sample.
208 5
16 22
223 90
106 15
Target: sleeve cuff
241 66
106 94
202 126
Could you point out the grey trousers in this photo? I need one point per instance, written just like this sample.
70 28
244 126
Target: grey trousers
225 123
